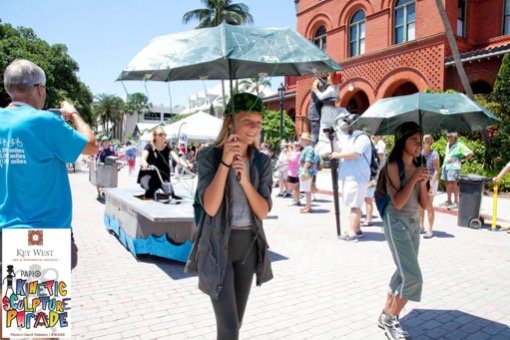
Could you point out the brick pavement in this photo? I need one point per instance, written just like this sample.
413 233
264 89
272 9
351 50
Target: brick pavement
323 288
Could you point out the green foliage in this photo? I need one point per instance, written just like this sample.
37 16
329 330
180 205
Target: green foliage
61 79
110 108
271 128
218 11
137 103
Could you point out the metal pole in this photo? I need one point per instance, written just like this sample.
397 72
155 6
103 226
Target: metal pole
282 97
334 179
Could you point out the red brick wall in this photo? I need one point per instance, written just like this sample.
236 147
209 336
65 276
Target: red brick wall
385 66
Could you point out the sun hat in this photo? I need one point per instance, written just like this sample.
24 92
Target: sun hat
306 136
244 102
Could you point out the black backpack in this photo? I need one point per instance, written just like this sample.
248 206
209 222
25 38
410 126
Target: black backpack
375 162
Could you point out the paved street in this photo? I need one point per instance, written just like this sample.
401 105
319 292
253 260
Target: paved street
323 288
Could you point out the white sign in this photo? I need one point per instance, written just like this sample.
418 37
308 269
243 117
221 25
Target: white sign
36 283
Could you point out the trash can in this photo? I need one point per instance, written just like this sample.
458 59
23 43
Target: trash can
105 175
470 199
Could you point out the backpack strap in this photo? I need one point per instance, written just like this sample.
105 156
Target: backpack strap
401 170
363 154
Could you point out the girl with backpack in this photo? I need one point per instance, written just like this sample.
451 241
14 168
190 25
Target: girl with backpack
406 180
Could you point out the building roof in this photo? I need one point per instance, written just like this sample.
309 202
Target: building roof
480 54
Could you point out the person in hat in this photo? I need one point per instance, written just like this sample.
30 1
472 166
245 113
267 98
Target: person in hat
307 169
455 154
105 150
234 196
355 153
405 180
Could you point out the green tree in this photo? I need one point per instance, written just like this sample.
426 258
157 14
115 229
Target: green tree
254 85
271 128
218 11
110 108
499 103
61 79
138 103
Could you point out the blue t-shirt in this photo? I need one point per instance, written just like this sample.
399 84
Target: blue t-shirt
35 146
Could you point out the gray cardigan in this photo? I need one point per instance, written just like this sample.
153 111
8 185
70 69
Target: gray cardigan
209 254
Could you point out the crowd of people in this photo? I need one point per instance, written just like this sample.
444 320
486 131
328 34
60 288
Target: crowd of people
235 181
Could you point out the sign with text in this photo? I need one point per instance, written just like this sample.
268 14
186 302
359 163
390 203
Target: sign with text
36 283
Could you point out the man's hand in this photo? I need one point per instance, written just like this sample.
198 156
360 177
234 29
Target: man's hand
67 109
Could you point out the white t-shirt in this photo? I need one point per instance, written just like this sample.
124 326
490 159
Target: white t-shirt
358 169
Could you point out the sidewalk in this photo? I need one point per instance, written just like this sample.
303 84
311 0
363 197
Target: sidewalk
324 184
323 288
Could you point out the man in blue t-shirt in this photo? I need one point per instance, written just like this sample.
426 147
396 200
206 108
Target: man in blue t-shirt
35 146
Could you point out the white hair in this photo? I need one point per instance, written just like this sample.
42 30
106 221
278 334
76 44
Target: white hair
22 75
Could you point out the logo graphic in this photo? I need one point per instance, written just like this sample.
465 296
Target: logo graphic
8 278
35 237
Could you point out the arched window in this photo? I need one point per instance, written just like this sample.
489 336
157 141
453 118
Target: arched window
461 18
405 16
506 19
319 38
357 34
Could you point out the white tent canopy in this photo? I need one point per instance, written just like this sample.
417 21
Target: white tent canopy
199 127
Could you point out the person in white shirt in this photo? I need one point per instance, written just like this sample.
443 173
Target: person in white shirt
354 174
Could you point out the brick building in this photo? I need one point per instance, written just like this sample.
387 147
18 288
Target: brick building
398 47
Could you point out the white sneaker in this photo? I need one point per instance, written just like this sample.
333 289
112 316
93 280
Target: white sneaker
392 329
428 234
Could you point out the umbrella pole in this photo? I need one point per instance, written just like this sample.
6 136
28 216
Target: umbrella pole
231 95
421 137
334 180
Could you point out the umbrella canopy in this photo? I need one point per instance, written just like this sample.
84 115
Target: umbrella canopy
227 52
434 112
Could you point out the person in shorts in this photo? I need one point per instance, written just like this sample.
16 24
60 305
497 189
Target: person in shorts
432 162
307 169
354 174
456 153
292 173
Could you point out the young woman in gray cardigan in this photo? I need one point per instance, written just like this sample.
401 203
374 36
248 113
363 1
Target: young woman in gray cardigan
234 196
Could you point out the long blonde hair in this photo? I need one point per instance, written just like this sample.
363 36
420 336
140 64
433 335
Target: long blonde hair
226 130
156 131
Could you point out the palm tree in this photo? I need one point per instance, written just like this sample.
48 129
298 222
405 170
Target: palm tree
253 85
218 11
138 103
109 108
455 50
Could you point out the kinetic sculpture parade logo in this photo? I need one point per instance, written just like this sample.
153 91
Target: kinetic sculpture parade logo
36 299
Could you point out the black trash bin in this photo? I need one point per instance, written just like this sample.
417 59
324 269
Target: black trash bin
470 199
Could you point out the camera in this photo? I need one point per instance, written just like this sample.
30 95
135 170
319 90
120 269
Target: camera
330 130
57 112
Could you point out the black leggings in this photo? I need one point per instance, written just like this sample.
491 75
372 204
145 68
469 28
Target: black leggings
230 306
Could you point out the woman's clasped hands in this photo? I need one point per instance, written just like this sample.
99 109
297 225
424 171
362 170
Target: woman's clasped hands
232 155
421 174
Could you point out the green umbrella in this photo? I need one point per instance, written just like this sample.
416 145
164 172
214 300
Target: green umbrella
227 52
434 112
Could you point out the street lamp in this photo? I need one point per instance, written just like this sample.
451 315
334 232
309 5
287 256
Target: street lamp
281 96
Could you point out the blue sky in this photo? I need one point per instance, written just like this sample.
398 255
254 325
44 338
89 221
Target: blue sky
104 35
